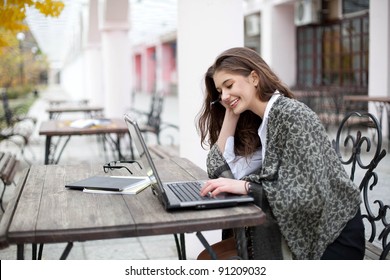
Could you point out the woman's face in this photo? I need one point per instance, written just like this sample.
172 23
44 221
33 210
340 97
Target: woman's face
237 92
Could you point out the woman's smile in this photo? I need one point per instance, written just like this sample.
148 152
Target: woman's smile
234 103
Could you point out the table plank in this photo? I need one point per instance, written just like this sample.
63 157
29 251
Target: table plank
63 128
26 212
72 109
367 98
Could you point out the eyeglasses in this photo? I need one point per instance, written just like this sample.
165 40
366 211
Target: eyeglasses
119 165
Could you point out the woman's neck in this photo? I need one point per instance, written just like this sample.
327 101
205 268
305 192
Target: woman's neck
259 108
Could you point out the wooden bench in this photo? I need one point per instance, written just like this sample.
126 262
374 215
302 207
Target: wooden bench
8 167
357 150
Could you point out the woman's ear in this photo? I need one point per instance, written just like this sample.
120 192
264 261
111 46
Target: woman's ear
254 78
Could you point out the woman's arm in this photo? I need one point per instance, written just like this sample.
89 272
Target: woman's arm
228 128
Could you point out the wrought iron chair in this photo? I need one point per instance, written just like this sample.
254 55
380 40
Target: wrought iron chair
150 122
357 150
18 129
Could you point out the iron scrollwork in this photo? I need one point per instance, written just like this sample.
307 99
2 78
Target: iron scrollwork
354 152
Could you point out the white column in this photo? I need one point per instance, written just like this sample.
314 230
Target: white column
116 58
205 29
379 53
379 48
93 58
278 40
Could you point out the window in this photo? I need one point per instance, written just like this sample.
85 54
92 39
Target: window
252 32
334 54
353 6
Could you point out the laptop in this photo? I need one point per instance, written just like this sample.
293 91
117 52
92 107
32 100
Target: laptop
181 194
119 184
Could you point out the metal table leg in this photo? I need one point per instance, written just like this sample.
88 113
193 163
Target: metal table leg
180 246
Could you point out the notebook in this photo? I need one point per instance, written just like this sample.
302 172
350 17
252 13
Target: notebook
177 195
111 184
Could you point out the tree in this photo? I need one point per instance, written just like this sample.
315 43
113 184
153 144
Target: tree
13 14
9 59
12 21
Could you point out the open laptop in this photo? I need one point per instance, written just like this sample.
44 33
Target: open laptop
177 195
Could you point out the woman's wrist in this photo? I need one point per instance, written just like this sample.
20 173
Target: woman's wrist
248 187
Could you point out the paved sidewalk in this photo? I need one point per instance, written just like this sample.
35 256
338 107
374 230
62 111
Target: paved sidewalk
86 149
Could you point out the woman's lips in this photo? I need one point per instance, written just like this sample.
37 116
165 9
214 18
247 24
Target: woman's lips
234 103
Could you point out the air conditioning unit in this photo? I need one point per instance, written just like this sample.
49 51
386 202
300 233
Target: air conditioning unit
307 12
252 25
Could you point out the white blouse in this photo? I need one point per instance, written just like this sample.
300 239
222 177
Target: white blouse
242 166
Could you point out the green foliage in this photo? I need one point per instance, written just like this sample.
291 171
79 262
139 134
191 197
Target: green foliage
19 91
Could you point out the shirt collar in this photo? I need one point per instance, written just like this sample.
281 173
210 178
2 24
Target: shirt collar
270 103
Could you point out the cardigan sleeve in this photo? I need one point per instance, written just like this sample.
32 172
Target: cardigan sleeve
217 165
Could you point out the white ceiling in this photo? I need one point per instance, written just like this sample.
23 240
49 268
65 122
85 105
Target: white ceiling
148 19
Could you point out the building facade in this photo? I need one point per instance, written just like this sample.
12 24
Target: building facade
335 46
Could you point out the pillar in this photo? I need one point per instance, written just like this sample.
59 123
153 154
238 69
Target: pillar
117 74
279 51
379 53
93 58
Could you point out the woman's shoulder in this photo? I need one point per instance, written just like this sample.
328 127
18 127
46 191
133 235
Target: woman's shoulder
285 105
293 111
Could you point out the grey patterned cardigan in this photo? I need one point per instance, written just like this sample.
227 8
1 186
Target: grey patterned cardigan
302 186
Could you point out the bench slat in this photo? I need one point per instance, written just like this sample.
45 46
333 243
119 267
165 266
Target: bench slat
10 170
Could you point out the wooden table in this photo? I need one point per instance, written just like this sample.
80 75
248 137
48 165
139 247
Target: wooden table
43 211
89 111
381 103
58 102
62 128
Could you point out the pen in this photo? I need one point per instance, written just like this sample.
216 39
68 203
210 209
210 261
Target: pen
215 101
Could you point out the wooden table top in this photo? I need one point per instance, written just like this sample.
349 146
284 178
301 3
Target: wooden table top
63 127
73 108
367 98
44 211
57 101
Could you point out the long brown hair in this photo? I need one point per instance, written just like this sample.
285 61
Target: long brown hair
240 61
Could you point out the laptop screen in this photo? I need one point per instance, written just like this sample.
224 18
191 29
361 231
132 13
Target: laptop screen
143 154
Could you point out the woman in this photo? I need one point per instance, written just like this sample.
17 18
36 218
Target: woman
266 144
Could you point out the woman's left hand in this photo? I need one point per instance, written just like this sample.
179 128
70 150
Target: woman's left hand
223 185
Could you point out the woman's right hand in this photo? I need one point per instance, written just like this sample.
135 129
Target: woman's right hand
214 187
228 128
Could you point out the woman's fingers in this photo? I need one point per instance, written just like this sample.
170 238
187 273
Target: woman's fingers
222 185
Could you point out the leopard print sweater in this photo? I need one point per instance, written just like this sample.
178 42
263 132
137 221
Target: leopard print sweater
308 191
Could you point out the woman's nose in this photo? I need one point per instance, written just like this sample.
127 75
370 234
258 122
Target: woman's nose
225 95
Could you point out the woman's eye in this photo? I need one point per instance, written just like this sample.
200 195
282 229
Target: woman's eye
229 86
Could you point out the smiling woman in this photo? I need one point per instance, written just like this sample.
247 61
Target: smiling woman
266 144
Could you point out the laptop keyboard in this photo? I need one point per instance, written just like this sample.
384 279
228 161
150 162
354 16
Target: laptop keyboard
187 191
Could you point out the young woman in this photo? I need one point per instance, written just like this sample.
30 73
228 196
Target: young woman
273 147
